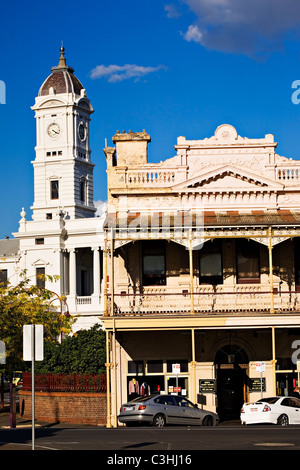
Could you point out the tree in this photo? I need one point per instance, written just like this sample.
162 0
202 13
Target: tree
26 304
83 353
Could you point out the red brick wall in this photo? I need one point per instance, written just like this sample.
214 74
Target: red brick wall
65 407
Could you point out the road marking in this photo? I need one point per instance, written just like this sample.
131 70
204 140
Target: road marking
274 444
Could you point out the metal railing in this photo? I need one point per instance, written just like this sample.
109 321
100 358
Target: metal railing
65 383
205 299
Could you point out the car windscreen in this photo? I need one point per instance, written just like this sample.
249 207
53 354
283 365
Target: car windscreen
268 400
142 398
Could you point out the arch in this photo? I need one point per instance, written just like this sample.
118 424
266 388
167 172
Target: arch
231 354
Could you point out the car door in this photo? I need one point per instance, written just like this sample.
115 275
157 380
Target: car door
295 406
291 406
188 414
167 406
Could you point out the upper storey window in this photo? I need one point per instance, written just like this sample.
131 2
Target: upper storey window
210 263
154 263
248 261
83 191
3 277
54 189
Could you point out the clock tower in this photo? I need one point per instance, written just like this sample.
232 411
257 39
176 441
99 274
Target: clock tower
63 171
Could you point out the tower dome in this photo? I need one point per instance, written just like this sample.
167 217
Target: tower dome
61 80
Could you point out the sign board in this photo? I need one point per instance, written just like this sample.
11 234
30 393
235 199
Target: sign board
201 399
257 385
207 385
175 369
33 340
260 367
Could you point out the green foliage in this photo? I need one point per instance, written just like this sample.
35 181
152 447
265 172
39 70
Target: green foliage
83 353
26 304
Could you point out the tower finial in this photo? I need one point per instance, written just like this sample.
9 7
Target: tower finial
62 59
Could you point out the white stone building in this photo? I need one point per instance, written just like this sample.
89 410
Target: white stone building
64 237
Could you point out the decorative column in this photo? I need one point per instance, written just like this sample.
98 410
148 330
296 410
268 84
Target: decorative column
274 361
96 273
111 274
105 276
191 272
73 272
271 271
108 378
193 364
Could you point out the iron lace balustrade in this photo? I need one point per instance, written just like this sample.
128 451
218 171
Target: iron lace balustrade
207 299
66 383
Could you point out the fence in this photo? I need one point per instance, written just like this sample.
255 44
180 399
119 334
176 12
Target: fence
65 383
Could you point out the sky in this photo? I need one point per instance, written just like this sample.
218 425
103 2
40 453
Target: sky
174 68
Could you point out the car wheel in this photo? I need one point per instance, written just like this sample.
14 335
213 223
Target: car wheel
208 421
159 421
283 420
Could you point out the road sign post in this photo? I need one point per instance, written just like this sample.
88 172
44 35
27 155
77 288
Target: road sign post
261 367
33 350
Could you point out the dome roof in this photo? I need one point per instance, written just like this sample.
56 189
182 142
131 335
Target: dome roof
62 79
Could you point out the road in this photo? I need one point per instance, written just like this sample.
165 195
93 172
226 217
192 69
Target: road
113 442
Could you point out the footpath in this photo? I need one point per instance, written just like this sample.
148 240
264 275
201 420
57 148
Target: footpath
21 422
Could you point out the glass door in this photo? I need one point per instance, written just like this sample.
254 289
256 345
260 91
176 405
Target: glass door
177 385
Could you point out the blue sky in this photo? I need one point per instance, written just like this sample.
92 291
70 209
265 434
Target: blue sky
180 67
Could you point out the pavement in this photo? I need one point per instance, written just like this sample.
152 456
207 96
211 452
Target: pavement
21 422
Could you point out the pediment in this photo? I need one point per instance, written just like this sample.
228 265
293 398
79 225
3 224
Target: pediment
40 262
50 103
229 177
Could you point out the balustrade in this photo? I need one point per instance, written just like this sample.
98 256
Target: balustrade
151 177
288 175
207 299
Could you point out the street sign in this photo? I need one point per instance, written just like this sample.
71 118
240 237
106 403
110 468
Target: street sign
33 350
33 342
175 368
260 367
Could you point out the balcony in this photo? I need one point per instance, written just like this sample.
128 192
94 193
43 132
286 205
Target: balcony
86 304
210 300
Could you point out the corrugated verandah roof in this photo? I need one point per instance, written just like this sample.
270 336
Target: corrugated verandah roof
206 218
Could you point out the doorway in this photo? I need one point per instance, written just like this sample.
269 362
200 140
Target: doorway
231 364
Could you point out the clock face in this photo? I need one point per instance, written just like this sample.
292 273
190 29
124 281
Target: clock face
81 131
53 130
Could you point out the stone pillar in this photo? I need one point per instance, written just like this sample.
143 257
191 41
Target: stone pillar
96 272
73 272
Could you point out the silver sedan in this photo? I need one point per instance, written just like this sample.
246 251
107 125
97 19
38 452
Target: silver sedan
160 410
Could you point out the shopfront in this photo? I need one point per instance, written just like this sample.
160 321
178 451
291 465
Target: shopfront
157 376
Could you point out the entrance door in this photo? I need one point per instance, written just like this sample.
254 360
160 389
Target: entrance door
231 381
230 392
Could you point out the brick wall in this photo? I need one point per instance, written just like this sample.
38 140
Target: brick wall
65 407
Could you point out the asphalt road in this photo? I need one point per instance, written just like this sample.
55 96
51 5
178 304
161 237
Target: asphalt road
135 441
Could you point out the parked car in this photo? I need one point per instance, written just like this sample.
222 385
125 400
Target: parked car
273 410
160 410
17 379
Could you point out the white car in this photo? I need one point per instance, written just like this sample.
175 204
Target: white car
274 410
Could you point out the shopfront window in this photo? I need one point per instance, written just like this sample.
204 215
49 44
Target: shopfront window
157 376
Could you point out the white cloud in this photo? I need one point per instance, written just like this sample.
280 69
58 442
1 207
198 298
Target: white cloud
101 207
172 11
193 34
238 26
118 73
